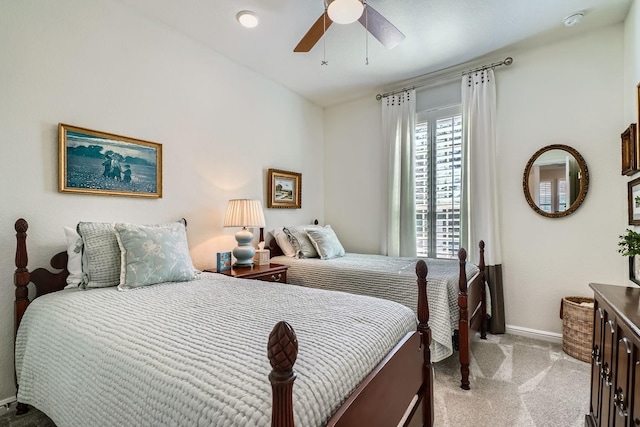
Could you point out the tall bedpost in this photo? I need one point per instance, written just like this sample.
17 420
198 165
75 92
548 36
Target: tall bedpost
463 325
425 333
21 276
483 283
21 279
282 351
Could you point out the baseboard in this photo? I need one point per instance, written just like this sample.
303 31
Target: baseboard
7 404
534 333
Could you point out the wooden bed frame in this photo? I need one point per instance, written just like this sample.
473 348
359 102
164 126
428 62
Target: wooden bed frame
471 303
402 384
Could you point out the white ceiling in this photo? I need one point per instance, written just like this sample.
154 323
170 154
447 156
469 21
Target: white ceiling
439 34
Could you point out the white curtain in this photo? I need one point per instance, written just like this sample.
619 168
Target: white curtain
480 214
398 125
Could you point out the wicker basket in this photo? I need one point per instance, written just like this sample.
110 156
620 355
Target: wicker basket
577 327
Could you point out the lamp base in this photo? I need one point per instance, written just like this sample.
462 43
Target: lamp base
244 252
242 265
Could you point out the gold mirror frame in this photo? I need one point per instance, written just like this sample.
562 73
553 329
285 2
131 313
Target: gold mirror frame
584 181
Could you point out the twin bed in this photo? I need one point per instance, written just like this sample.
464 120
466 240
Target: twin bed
205 352
457 291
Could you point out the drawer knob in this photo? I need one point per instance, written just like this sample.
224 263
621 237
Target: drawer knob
605 374
618 402
595 355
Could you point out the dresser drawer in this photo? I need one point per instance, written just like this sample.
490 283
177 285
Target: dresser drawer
276 276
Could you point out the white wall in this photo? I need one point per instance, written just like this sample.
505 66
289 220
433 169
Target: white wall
100 66
631 63
354 182
570 93
567 93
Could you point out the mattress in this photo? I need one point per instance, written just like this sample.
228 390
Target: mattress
391 278
194 353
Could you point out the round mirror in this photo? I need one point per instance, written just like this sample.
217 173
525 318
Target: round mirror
555 181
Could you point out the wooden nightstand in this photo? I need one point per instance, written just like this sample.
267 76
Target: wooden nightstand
267 273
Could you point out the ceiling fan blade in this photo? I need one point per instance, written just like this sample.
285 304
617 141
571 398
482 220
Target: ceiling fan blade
314 34
380 28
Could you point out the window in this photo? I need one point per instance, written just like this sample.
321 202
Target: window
545 196
562 195
438 167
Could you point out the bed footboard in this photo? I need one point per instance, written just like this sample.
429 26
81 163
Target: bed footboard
473 311
398 391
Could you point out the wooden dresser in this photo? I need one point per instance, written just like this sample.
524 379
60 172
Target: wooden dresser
615 358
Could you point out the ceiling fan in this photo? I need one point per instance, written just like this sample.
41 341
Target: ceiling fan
347 12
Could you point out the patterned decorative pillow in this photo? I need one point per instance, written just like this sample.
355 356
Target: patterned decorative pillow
326 242
300 241
101 255
283 242
154 254
74 257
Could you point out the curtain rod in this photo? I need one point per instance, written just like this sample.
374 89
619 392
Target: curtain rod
507 61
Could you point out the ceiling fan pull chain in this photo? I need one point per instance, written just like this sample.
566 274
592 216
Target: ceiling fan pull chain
324 38
366 33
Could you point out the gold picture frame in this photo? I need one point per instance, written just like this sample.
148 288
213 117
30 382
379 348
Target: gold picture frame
637 116
633 201
284 189
95 162
630 150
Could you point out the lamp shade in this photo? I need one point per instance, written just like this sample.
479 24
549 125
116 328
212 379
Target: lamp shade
345 11
244 213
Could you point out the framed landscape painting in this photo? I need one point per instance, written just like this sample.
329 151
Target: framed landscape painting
96 162
284 189
633 201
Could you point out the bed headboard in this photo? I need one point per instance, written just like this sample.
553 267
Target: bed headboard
274 249
44 280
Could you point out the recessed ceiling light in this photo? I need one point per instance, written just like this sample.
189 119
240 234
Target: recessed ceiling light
573 19
247 18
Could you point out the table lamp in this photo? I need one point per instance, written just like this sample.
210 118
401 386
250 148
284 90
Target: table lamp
244 213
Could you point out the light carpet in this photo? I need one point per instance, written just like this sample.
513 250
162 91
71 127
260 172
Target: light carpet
515 382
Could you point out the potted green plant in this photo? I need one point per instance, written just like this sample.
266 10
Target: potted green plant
629 244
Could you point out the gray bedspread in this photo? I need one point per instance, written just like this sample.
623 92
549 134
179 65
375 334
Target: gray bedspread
389 278
195 353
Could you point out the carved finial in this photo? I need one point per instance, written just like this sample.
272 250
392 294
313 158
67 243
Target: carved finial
462 254
481 245
282 348
21 225
421 269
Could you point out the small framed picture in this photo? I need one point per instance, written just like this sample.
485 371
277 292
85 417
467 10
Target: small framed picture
638 112
284 189
633 201
223 261
630 151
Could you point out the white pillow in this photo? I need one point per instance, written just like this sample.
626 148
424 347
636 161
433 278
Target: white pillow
283 241
74 255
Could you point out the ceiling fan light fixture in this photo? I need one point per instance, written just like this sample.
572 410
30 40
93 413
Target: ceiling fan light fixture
345 11
247 18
